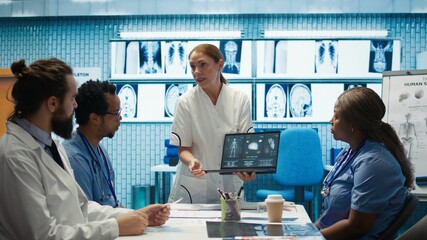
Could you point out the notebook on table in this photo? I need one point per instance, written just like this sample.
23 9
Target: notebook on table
249 152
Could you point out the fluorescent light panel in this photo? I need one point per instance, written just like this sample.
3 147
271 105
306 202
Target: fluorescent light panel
181 35
325 34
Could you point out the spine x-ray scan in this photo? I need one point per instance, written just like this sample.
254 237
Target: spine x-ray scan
150 58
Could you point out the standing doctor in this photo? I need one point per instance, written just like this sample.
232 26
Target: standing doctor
42 200
202 117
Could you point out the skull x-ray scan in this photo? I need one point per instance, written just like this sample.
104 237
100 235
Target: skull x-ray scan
176 57
173 91
326 56
128 100
232 51
353 85
275 101
300 101
381 56
150 57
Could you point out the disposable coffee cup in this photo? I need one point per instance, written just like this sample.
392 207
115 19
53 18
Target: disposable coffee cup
274 204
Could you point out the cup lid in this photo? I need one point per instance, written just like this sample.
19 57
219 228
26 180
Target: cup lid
274 198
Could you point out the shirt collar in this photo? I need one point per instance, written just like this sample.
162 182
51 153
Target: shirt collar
40 135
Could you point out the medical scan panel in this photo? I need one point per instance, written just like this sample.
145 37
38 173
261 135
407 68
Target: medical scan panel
300 101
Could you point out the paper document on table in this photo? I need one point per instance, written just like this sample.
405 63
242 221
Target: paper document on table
190 214
197 207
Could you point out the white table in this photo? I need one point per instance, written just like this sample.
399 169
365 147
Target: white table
187 224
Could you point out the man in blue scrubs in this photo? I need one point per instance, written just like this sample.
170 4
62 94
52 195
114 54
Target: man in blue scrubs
98 116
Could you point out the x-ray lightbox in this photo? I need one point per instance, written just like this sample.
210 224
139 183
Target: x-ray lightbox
149 102
299 102
151 59
326 58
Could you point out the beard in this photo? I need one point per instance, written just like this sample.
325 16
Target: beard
111 135
62 125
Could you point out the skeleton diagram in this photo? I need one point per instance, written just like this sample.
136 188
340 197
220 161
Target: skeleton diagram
407 135
233 148
381 61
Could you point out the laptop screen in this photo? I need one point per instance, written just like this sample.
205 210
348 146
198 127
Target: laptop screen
250 152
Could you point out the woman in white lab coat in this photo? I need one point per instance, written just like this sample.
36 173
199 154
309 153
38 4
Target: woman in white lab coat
202 117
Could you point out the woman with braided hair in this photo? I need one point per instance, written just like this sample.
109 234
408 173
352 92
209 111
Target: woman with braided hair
368 185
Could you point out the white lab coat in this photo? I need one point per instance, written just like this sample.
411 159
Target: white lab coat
42 201
201 125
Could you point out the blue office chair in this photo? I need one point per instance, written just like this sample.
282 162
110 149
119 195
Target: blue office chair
299 165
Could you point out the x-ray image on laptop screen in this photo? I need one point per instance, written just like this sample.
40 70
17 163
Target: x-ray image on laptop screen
251 151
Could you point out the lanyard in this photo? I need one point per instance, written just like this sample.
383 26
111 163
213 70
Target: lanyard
98 176
341 164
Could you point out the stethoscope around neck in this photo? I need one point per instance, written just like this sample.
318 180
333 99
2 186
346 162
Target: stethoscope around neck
99 175
340 166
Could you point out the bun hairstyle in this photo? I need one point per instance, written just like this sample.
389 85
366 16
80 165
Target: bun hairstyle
18 68
36 83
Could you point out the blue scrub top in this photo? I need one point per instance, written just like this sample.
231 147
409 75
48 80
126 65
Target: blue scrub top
94 184
372 182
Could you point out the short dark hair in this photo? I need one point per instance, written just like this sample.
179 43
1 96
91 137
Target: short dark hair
91 99
39 81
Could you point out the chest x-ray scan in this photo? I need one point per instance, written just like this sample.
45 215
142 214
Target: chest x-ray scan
150 58
380 57
232 53
300 101
275 101
176 58
326 56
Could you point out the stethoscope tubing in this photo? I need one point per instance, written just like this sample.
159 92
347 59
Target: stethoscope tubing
97 176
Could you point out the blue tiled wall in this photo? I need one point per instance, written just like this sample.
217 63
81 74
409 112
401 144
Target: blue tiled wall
84 42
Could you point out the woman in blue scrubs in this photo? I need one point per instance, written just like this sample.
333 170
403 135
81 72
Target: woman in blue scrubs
367 187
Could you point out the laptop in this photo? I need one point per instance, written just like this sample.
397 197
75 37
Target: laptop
249 152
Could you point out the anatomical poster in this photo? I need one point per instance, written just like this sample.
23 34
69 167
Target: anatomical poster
405 97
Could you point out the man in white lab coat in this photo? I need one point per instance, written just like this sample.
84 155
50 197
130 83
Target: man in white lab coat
41 199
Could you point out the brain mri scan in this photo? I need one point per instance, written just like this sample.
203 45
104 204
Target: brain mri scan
300 101
275 102
128 98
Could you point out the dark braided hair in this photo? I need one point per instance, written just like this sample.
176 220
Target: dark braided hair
364 109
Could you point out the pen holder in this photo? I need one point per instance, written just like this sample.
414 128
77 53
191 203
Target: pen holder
230 209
